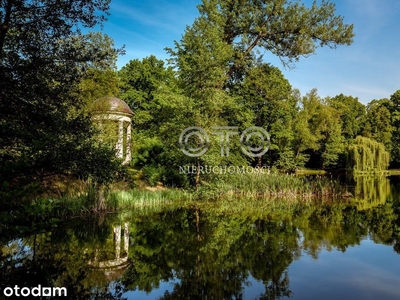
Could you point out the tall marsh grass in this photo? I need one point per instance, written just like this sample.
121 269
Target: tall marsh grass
114 200
283 186
135 198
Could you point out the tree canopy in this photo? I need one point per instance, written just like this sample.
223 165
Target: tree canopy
235 30
43 58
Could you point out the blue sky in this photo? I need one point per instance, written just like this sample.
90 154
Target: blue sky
368 69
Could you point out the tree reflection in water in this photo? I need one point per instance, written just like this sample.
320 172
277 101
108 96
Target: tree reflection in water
209 250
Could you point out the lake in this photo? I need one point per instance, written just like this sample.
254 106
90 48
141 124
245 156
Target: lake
220 249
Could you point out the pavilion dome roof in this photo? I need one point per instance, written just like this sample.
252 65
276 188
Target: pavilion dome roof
111 105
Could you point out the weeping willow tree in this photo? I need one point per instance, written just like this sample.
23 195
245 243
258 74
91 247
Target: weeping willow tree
367 155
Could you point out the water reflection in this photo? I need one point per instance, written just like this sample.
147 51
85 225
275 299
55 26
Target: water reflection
101 261
62 257
205 251
370 191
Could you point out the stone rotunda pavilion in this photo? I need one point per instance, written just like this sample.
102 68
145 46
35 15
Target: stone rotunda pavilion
112 109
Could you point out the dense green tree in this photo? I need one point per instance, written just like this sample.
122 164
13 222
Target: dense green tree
378 124
161 111
218 54
194 101
332 141
100 78
43 57
395 122
269 96
304 138
352 114
306 126
287 29
139 82
318 132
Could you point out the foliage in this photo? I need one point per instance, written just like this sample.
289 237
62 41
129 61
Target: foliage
378 124
139 81
238 28
100 78
43 58
395 123
318 132
218 66
367 155
332 141
268 94
161 112
352 114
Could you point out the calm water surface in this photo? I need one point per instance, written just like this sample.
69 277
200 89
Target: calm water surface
329 250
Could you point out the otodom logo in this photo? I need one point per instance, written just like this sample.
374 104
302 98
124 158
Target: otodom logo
194 141
37 291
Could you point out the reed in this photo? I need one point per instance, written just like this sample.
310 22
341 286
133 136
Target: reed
135 198
282 186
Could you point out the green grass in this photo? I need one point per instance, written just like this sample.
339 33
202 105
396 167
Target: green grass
115 200
282 186
135 198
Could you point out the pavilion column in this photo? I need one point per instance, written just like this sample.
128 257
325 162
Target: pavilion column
126 237
128 157
101 129
120 139
117 232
